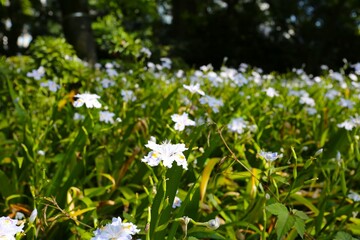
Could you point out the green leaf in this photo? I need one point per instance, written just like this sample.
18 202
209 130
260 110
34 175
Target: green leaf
300 226
300 214
277 209
343 236
284 223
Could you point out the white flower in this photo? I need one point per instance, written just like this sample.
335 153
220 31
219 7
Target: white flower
53 86
9 228
181 121
33 215
111 72
307 101
146 51
41 153
90 100
270 156
177 202
331 94
311 111
128 95
166 62
194 88
116 230
214 103
106 116
37 74
165 152
346 103
213 223
353 122
271 92
107 83
238 125
78 116
354 196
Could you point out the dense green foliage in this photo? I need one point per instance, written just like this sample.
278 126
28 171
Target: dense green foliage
79 171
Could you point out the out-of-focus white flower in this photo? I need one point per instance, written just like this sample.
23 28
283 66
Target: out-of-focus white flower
177 202
165 152
37 74
239 125
353 122
271 92
90 100
307 101
336 76
166 62
146 51
116 230
311 111
53 86
181 121
33 215
270 156
106 116
111 72
318 152
107 83
9 228
19 215
331 94
41 153
128 95
194 88
214 103
346 103
78 116
353 77
354 196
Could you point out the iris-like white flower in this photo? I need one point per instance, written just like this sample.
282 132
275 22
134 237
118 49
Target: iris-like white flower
194 88
167 153
214 103
181 121
128 95
9 228
116 230
271 92
107 117
270 156
37 74
90 100
53 86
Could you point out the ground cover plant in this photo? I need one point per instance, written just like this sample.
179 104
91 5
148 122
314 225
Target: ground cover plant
145 150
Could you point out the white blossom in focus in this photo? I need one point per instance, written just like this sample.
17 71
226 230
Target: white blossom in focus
116 230
90 100
181 121
194 88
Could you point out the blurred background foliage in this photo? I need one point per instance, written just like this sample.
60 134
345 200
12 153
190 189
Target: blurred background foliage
272 34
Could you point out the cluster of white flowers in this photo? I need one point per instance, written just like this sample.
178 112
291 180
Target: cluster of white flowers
181 121
9 228
165 152
239 125
116 230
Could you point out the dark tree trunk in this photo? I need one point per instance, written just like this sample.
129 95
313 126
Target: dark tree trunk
77 28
